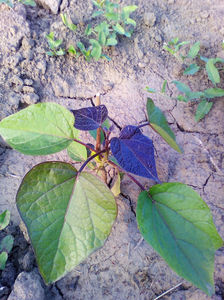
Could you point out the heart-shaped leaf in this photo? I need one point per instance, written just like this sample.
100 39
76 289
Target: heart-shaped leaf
67 215
158 121
90 118
134 152
39 129
178 224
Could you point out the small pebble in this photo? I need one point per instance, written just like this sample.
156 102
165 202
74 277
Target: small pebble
28 81
28 89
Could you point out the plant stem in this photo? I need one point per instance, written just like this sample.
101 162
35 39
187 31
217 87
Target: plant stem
89 159
130 176
143 125
87 146
98 133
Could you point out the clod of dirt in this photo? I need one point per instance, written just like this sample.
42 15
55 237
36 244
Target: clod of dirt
27 286
52 5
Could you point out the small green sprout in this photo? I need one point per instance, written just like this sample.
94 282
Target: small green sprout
54 46
71 26
6 243
115 21
189 62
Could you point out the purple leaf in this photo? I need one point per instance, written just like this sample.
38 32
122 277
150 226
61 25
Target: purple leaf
135 152
90 118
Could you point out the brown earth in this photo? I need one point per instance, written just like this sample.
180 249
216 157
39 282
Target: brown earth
126 267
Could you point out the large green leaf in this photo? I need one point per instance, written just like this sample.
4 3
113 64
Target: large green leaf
39 129
67 215
158 121
178 224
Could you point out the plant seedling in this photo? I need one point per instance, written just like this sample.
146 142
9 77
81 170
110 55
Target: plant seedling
6 243
54 46
69 213
187 95
116 21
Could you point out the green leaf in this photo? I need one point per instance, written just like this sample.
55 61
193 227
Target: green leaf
112 16
214 92
174 41
96 49
203 109
6 243
163 90
3 259
102 38
72 50
192 69
68 216
182 87
68 24
28 2
178 46
119 29
182 98
50 53
150 90
60 52
171 51
103 27
195 95
158 121
127 10
4 219
39 129
97 13
7 2
54 44
88 30
193 52
112 40
96 4
203 58
213 73
77 152
130 21
178 224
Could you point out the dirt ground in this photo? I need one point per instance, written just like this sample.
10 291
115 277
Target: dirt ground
126 267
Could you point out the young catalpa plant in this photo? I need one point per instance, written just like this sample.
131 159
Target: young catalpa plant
69 213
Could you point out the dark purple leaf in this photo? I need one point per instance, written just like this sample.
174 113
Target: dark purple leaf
90 118
135 152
